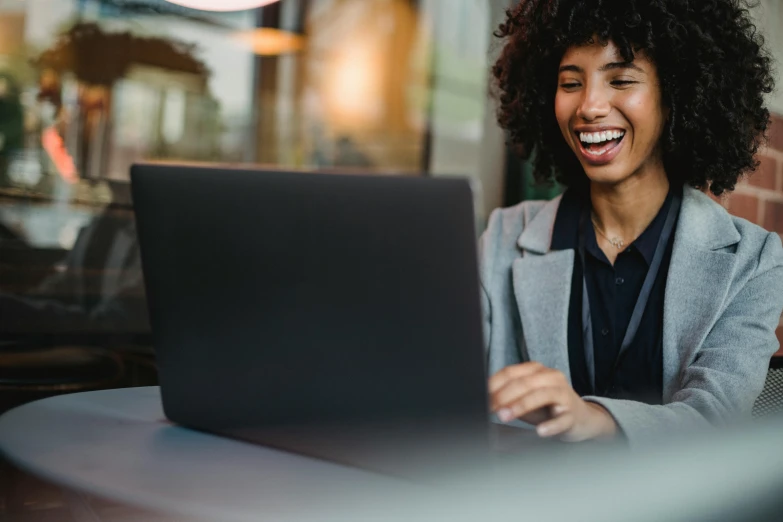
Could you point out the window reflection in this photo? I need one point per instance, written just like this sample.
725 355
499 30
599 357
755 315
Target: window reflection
97 287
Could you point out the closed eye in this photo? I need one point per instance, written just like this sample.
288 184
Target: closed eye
623 82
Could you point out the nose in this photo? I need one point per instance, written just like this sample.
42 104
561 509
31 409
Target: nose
595 103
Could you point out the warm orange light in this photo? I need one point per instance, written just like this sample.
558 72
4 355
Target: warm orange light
353 83
266 41
53 144
222 5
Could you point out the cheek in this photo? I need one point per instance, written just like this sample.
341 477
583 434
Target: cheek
644 113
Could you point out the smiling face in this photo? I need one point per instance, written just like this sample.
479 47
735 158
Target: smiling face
611 113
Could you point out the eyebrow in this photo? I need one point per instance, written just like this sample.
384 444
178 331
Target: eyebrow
607 67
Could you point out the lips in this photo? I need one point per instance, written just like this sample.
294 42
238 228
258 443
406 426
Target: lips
603 154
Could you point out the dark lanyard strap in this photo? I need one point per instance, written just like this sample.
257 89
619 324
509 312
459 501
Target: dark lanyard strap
644 294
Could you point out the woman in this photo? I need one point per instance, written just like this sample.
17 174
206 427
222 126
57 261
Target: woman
634 303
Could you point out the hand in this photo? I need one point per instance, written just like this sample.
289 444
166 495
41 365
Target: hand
542 396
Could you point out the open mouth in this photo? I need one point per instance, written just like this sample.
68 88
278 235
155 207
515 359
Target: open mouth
600 147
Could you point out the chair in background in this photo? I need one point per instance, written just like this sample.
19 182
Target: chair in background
770 401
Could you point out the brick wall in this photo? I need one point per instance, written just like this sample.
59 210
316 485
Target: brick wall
759 198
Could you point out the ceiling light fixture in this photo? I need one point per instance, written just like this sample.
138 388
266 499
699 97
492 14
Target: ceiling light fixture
222 5
266 41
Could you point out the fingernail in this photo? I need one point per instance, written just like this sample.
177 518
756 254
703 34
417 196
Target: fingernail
542 431
559 410
505 415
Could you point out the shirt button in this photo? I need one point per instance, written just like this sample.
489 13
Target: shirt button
605 332
619 281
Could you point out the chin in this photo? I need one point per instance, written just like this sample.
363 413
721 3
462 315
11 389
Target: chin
606 175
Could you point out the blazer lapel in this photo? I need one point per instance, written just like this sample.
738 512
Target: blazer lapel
542 287
698 281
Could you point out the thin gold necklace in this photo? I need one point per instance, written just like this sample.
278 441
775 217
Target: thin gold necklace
616 242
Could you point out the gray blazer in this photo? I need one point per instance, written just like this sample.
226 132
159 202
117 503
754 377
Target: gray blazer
724 297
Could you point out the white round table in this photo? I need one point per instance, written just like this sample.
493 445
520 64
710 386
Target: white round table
117 445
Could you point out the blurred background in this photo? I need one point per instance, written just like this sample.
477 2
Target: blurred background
87 87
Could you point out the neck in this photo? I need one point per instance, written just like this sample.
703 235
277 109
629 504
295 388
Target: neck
626 209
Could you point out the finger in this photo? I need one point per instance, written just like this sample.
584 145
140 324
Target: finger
516 388
535 400
557 426
512 372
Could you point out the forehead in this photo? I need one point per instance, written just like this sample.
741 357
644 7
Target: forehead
598 54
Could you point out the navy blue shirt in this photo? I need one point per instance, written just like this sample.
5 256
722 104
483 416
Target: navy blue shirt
612 293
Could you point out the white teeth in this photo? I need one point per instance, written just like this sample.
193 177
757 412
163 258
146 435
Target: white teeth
599 137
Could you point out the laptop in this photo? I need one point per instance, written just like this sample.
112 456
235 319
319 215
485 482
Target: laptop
331 315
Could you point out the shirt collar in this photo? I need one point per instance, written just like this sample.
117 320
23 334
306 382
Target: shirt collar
565 233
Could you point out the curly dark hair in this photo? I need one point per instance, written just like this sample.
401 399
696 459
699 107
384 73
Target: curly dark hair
711 61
